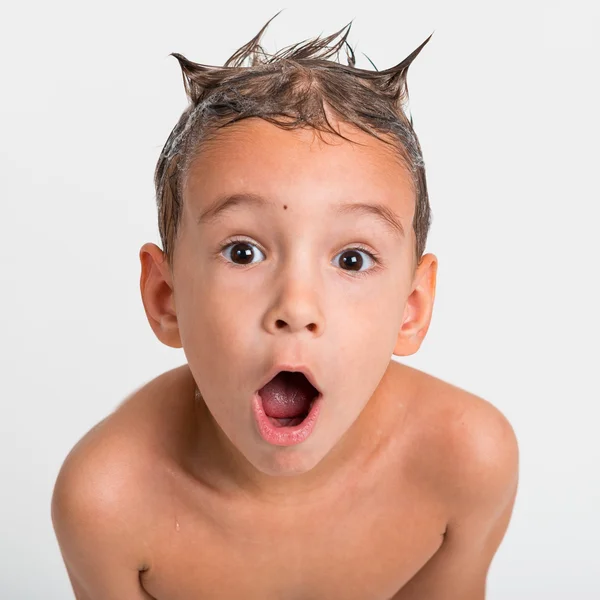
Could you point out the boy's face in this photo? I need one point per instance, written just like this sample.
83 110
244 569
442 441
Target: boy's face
291 286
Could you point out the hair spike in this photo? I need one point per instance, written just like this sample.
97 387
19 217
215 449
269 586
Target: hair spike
315 48
370 61
394 78
392 81
351 59
197 78
249 49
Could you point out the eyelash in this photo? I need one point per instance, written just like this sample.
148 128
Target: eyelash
374 255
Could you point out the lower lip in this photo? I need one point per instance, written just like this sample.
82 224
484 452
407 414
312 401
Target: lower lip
284 436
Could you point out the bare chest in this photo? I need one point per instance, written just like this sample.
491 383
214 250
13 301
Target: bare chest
365 546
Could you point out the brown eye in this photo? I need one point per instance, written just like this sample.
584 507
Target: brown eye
351 259
241 252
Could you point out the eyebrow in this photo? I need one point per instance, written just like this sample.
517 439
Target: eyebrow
227 202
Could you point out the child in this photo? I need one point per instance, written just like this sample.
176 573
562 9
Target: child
290 457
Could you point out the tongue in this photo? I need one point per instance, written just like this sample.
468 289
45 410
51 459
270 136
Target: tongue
287 395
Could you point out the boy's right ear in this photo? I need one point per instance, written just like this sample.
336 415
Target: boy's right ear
156 287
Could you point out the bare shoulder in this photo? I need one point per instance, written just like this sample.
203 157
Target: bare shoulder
475 449
464 450
102 497
137 426
131 435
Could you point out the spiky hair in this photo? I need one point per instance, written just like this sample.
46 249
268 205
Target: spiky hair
290 89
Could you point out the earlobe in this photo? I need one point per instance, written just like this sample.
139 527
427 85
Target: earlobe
418 308
156 287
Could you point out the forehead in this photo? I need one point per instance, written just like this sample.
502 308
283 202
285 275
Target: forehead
300 166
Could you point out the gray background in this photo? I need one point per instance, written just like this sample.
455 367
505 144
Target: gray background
505 101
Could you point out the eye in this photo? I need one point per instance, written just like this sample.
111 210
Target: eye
241 251
352 259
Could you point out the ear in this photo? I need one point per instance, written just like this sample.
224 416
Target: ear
418 308
156 286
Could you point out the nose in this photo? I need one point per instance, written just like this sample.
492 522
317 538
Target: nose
295 310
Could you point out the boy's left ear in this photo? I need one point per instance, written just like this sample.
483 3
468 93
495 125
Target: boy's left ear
156 286
418 309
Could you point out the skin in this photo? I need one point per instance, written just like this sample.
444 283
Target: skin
438 464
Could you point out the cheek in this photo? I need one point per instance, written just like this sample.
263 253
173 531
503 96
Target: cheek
223 321
368 328
217 338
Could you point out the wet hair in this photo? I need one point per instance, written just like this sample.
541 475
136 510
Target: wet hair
292 88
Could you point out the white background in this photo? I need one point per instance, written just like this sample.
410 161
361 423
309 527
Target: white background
506 104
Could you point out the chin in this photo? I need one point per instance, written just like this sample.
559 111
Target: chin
291 461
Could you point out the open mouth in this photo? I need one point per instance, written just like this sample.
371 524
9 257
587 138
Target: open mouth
288 398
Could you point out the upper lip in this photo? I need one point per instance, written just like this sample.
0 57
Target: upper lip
304 369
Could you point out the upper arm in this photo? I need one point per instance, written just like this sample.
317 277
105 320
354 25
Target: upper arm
481 502
95 533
